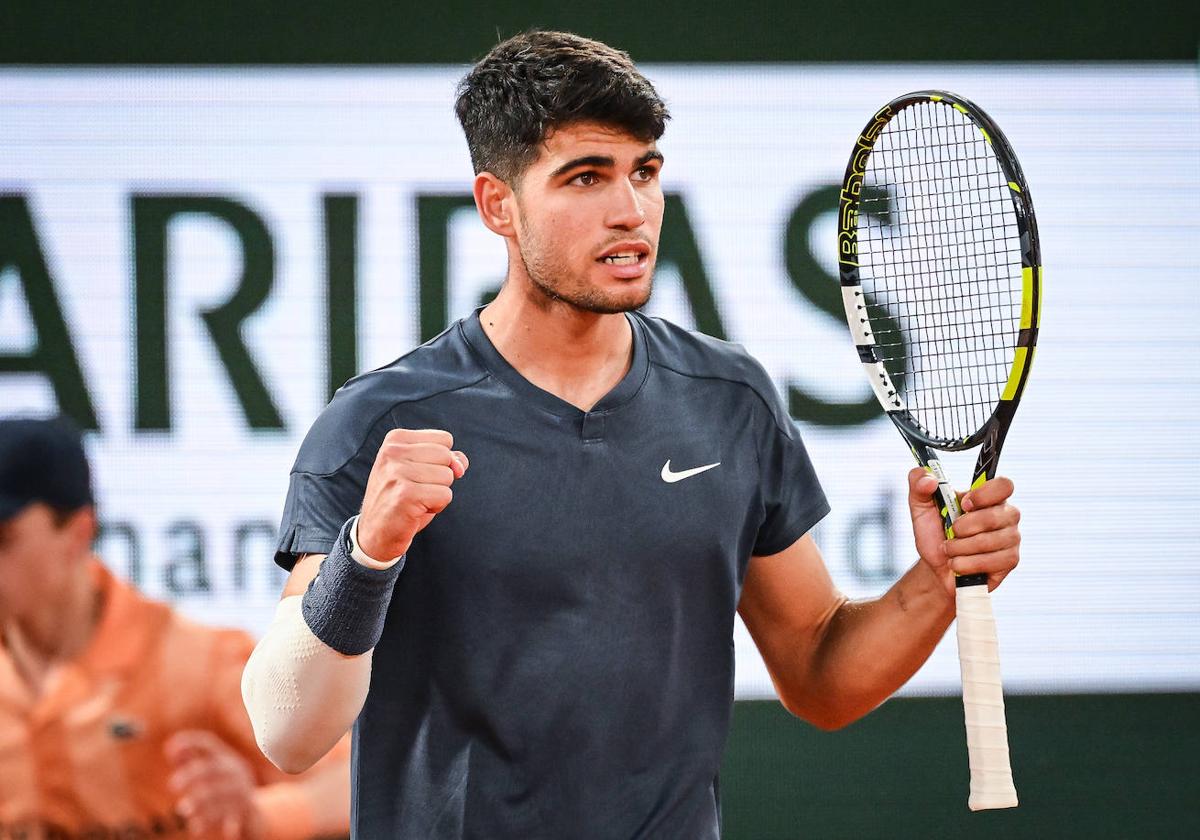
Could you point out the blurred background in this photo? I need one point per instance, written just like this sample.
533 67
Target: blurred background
213 215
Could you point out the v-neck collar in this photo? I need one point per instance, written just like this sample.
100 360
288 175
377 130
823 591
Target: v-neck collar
621 393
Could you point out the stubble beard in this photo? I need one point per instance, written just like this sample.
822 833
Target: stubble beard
548 276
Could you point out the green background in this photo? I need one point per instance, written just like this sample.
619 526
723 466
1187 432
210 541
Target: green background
1086 766
455 31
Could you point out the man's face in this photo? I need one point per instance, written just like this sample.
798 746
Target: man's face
590 210
36 553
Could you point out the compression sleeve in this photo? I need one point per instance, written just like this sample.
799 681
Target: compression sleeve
301 695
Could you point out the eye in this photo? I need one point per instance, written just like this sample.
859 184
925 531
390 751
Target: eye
586 179
645 173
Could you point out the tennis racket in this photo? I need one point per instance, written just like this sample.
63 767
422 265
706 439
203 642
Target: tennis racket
941 279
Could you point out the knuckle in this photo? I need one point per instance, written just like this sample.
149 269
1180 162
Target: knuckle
441 437
968 525
392 451
440 499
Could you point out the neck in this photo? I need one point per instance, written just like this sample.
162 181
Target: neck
576 355
56 633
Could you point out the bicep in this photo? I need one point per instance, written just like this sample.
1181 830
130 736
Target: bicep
788 600
302 574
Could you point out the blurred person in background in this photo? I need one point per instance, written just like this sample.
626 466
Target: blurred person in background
119 717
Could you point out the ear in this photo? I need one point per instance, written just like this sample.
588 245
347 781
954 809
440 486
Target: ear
81 528
496 204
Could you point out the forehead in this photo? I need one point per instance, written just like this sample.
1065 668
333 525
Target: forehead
589 138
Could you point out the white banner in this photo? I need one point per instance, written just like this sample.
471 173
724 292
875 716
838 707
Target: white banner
207 216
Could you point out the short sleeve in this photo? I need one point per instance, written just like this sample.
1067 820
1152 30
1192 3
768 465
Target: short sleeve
329 479
792 496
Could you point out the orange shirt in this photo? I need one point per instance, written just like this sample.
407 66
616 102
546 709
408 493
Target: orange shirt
85 758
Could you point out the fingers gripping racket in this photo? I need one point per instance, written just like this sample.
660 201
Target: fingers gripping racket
941 280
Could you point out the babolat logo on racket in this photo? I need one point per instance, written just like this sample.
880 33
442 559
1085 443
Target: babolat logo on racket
852 188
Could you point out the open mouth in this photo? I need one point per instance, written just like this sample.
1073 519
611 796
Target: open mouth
624 258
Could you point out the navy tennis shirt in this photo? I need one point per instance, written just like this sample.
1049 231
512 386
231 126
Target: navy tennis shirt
558 660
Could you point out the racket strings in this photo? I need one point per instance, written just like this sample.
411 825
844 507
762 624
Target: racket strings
940 263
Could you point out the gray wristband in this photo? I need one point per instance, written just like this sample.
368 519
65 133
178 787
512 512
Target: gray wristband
346 603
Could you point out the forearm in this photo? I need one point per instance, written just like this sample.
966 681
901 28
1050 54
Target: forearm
868 649
301 694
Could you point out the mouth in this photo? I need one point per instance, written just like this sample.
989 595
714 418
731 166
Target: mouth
623 258
625 254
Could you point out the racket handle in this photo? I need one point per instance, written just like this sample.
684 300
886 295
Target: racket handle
983 701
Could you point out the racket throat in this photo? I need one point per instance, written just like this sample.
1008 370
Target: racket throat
947 501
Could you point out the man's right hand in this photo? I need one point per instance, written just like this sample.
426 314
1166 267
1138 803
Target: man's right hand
409 485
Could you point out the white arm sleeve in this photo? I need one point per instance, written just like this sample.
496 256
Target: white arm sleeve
301 694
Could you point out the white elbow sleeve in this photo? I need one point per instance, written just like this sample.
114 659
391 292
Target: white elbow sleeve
301 694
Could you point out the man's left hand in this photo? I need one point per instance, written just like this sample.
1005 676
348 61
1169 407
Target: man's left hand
986 537
214 785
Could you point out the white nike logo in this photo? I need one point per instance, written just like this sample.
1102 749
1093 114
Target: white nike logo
671 477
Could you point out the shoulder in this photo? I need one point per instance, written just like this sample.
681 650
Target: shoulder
362 409
699 356
185 640
178 650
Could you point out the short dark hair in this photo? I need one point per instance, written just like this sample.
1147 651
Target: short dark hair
538 81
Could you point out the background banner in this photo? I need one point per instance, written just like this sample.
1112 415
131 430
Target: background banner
191 260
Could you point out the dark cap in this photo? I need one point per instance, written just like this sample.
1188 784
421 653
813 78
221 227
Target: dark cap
42 461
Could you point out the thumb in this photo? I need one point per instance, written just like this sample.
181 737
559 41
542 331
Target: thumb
921 487
187 744
928 529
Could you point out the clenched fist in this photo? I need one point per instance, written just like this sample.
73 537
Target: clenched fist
409 485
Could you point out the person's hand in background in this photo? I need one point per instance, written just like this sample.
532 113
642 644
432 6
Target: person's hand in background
214 785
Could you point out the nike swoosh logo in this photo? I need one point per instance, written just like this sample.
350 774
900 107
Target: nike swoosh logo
671 477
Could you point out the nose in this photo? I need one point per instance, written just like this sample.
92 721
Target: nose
626 211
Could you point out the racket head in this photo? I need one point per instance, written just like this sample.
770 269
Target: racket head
940 268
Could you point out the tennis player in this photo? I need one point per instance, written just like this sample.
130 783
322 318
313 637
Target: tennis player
516 552
118 717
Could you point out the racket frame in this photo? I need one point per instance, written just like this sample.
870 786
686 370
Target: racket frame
990 435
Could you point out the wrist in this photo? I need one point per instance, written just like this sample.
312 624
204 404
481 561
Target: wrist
363 557
927 582
346 604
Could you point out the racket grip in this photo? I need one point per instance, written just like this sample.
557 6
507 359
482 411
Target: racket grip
983 701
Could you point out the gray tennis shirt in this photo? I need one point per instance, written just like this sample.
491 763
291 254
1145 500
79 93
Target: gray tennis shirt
558 655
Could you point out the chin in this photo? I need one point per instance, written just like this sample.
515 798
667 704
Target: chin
600 301
629 295
614 303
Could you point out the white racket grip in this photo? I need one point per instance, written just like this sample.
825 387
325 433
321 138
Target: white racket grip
983 701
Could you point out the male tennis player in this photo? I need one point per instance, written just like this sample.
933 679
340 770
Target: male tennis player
540 639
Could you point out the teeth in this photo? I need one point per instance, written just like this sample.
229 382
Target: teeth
621 259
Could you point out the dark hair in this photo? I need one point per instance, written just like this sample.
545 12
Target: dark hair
537 81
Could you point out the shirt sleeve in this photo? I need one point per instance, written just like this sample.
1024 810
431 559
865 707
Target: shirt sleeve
329 478
792 497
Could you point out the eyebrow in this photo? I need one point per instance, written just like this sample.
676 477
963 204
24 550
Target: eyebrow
603 162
